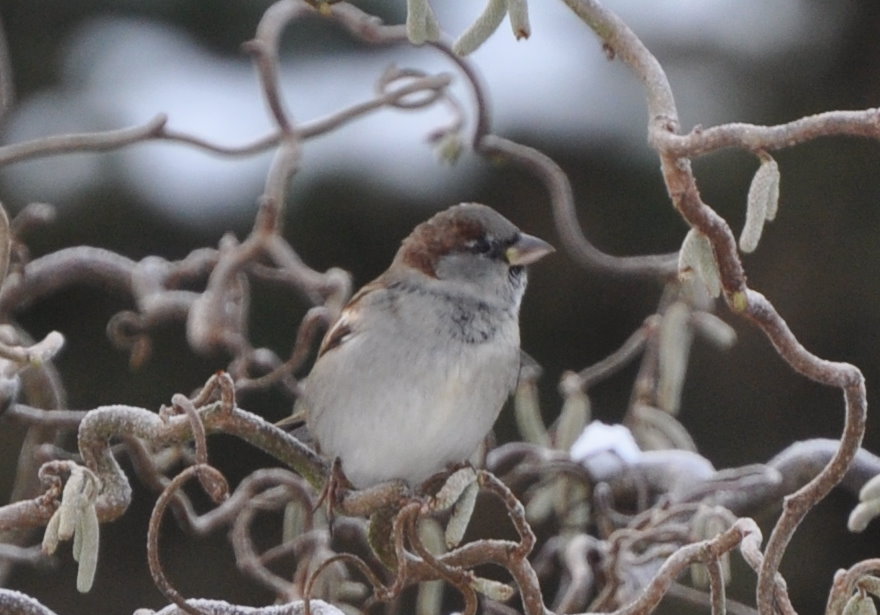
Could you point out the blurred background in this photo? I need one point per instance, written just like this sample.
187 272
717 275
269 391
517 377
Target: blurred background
97 65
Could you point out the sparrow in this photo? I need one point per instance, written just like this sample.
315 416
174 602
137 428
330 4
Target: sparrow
412 375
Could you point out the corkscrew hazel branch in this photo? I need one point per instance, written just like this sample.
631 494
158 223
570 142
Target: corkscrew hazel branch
12 601
702 551
738 295
494 147
217 317
156 570
663 126
864 124
846 582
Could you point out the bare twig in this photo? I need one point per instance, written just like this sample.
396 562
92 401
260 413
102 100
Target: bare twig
264 48
66 267
581 579
701 599
845 584
456 577
616 360
313 323
716 586
700 140
65 419
677 562
32 556
12 601
102 424
565 215
82 142
562 200
797 505
156 570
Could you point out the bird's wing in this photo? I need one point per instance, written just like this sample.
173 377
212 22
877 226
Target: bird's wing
348 323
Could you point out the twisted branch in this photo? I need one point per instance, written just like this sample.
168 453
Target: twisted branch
662 128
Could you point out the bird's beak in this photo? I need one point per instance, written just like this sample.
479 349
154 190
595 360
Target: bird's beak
527 250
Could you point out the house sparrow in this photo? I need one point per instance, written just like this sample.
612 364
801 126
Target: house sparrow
413 374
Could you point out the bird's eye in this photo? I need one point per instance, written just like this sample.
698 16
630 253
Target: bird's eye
481 246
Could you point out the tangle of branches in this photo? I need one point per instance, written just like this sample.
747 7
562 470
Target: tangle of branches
611 528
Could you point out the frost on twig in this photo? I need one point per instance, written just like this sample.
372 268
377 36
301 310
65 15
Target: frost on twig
762 203
220 607
218 317
12 601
